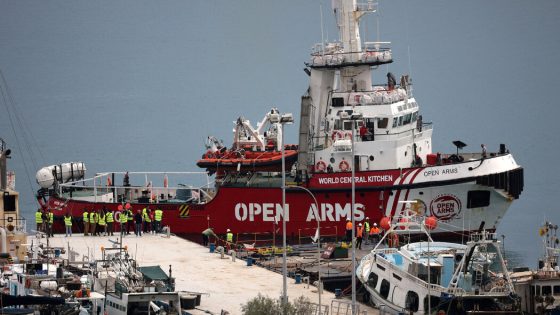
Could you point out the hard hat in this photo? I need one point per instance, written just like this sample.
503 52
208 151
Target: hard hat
228 230
347 219
367 218
360 224
375 224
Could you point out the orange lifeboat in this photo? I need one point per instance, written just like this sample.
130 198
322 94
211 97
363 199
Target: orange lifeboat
248 160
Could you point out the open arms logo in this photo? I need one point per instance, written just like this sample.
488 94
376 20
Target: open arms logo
445 207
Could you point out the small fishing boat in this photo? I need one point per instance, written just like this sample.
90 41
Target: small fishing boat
540 289
438 277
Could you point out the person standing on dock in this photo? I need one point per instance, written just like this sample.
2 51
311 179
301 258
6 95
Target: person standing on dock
86 222
130 222
144 215
153 221
229 239
349 230
483 146
123 219
101 224
93 223
50 221
68 224
206 236
366 231
109 219
158 217
359 235
39 220
138 223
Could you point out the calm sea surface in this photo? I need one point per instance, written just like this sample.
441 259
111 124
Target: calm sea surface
138 85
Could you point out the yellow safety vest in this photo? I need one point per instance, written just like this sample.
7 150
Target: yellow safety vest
366 224
129 215
51 217
93 217
123 218
86 217
109 217
229 237
39 217
68 221
101 220
147 218
158 215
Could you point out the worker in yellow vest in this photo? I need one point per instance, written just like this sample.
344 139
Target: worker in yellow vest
229 239
86 222
130 222
39 220
50 222
366 231
148 221
93 223
158 217
109 218
123 219
144 214
102 225
68 224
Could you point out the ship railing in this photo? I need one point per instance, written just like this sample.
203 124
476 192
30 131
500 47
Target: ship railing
308 235
101 188
14 225
333 54
369 6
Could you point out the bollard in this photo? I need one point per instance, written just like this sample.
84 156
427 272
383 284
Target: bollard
298 278
249 261
212 247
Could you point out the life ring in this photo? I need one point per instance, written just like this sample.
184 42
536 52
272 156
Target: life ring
320 166
337 135
208 155
343 166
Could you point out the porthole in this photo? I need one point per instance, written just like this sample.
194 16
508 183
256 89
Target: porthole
332 160
371 158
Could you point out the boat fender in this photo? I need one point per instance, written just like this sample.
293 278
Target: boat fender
343 166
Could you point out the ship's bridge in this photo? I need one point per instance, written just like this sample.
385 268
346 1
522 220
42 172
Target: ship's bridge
389 134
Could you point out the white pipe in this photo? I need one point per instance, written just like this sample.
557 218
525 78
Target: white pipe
4 242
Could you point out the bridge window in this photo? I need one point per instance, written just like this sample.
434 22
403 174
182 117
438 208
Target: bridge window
407 119
395 121
400 120
414 116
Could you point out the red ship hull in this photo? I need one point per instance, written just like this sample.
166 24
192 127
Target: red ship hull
258 210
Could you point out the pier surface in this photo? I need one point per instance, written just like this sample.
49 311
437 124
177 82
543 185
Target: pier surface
226 284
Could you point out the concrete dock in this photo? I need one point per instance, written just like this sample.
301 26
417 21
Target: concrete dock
226 284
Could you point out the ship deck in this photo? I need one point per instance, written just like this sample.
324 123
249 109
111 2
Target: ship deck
225 284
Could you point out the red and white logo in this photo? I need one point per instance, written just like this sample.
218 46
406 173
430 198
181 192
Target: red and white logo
445 207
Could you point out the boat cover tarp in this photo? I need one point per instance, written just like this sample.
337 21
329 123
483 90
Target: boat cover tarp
10 300
153 273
